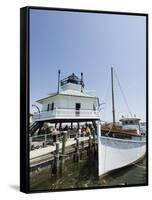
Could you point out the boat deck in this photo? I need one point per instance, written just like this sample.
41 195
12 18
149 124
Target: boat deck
120 131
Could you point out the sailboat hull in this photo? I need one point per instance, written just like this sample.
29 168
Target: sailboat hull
114 153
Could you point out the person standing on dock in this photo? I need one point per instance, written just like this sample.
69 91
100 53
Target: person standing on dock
88 131
79 132
55 135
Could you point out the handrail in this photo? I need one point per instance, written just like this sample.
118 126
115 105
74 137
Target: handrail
59 112
43 135
123 140
67 109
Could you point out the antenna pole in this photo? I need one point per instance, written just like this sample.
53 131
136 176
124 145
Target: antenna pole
113 100
81 82
59 71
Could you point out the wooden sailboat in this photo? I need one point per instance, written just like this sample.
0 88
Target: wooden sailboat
119 147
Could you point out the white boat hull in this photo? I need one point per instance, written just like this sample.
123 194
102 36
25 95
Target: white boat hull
115 153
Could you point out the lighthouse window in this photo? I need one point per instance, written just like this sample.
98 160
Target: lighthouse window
125 123
77 106
48 107
52 106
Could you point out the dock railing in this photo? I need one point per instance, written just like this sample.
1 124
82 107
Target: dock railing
39 141
43 140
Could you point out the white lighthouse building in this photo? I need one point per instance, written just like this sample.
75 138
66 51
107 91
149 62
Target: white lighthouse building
70 103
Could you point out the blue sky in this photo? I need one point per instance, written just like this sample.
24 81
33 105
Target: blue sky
90 43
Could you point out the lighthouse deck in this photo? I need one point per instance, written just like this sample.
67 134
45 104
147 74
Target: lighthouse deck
66 114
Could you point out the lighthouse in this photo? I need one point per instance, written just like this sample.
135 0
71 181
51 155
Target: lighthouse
70 103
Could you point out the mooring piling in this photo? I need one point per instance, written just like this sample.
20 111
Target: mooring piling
63 149
57 158
45 140
77 153
94 142
30 142
90 144
82 149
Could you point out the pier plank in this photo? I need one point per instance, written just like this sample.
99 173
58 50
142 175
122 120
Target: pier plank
49 149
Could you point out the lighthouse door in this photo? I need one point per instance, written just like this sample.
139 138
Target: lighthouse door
77 109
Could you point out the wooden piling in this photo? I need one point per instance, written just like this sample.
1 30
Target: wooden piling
89 145
60 126
78 126
55 125
71 125
57 159
30 142
63 149
77 152
82 149
94 141
45 139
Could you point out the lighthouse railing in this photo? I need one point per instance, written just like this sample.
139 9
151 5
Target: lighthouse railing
66 113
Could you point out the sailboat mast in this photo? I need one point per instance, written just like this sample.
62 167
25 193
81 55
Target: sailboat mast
113 99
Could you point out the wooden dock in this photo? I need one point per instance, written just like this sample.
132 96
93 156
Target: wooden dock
48 153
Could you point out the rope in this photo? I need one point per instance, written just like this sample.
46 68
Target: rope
139 166
124 97
109 130
105 97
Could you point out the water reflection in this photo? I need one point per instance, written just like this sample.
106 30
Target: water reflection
84 175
